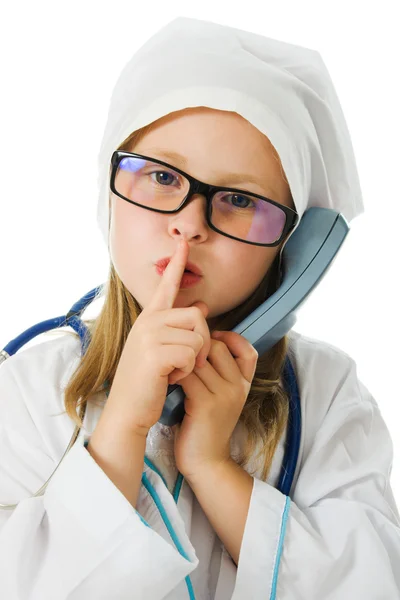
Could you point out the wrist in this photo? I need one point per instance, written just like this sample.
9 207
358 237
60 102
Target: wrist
202 471
114 419
140 432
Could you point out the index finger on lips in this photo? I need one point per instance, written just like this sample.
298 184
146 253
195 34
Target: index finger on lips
169 285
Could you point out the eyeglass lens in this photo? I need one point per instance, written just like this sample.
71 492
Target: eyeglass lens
243 216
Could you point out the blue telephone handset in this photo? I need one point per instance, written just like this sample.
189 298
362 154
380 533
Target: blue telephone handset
306 258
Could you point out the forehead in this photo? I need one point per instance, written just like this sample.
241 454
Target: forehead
221 177
216 146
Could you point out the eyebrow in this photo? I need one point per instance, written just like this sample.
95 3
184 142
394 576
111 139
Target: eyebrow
231 177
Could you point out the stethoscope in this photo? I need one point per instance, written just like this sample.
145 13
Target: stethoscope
73 320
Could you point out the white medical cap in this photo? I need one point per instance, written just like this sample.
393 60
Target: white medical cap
284 90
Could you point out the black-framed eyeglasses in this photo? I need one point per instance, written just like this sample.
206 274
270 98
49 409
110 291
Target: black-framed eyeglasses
238 214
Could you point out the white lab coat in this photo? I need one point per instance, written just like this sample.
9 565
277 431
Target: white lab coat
339 537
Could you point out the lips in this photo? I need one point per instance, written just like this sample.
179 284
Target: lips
191 267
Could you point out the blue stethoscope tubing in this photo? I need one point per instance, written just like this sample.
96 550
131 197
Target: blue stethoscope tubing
73 320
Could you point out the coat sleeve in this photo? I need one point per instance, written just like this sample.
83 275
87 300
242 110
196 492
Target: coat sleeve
340 535
82 538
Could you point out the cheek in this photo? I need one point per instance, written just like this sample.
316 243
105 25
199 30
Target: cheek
126 237
129 228
250 272
247 266
132 231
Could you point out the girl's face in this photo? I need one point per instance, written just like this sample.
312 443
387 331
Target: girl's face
215 144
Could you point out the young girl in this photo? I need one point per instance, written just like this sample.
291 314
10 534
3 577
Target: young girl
140 510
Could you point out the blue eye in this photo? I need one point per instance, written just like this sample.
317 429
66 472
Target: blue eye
164 174
240 205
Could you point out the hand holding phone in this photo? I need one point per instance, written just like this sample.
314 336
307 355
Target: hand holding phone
306 257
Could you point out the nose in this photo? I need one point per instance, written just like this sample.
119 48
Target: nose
191 220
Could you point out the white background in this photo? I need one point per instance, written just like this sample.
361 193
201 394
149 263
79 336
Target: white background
59 63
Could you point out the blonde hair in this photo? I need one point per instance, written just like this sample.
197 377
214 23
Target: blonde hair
265 412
